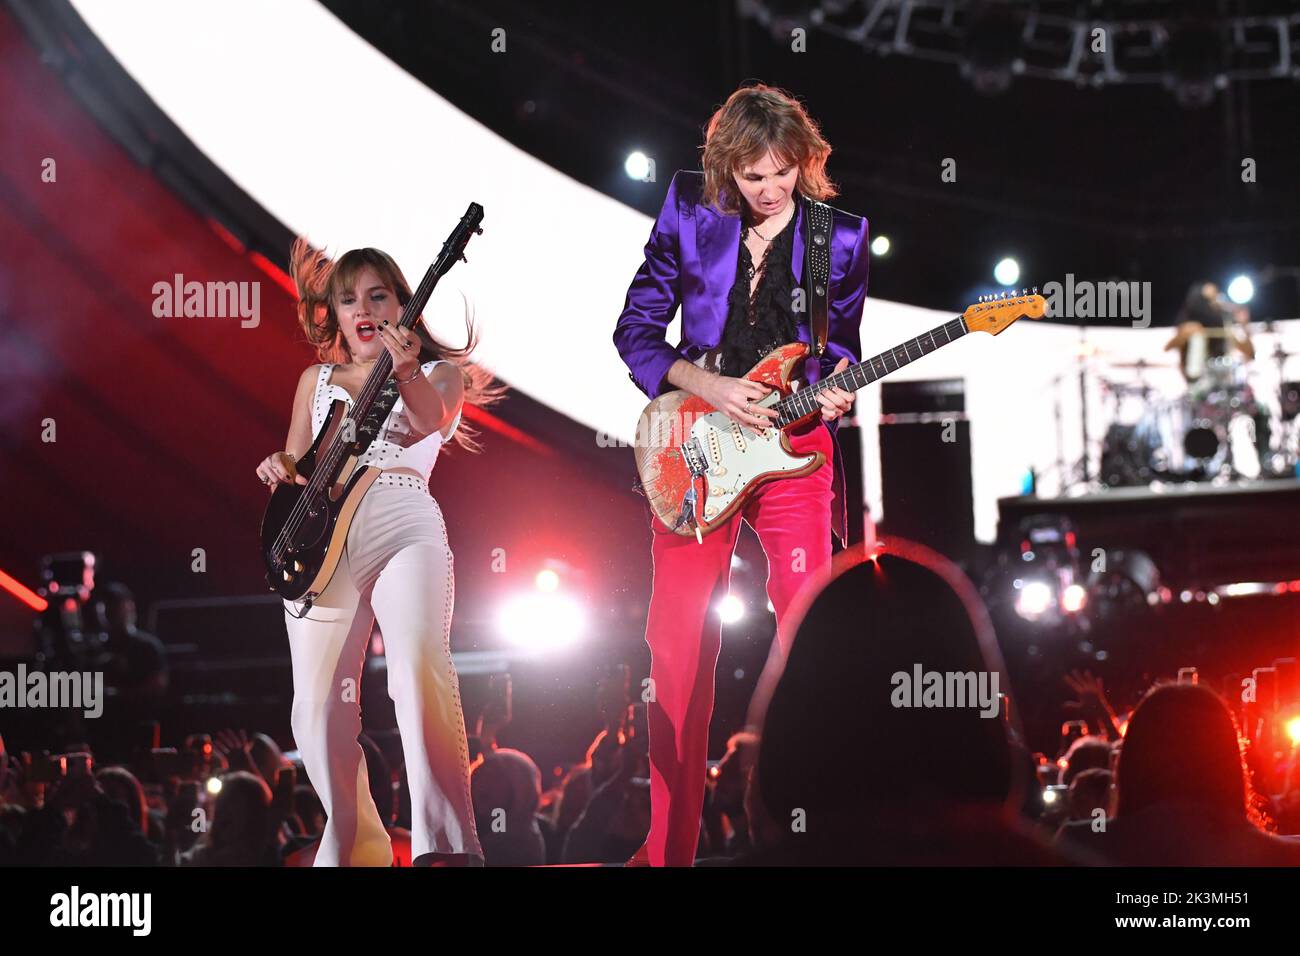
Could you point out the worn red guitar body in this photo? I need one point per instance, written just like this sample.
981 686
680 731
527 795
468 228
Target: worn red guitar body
739 460
698 467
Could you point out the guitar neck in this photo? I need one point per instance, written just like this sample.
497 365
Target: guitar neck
804 402
452 250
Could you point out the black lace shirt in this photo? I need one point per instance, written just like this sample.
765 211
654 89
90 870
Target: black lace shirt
774 322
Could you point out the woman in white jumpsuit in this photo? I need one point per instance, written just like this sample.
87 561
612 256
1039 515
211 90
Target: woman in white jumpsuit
396 569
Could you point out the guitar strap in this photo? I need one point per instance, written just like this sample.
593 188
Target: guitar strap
817 272
373 424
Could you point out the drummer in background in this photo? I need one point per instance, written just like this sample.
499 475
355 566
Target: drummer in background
1210 327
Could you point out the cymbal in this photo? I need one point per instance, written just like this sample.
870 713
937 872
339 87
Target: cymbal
1142 365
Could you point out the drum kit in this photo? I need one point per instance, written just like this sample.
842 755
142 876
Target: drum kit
1218 429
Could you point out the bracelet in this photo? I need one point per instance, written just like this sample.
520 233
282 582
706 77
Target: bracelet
414 376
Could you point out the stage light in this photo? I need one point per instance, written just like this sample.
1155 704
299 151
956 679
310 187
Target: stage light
547 580
1007 272
1073 598
214 785
542 621
1034 599
1241 290
24 593
731 609
1050 796
1194 62
993 48
880 246
637 166
1293 730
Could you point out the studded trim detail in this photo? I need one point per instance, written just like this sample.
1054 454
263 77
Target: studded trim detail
453 681
394 480
380 452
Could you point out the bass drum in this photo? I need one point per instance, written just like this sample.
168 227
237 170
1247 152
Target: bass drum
1200 437
1127 456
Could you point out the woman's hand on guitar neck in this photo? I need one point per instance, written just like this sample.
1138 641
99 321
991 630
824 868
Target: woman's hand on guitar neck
735 397
279 467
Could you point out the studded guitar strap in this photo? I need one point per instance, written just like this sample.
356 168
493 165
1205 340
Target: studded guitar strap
817 269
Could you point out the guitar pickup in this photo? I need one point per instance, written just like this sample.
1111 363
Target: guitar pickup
737 437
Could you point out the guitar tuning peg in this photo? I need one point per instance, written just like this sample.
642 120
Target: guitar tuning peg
1035 290
980 299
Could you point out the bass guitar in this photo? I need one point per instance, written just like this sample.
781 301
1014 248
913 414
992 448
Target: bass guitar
306 526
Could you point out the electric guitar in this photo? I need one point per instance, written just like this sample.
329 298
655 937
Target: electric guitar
698 467
306 526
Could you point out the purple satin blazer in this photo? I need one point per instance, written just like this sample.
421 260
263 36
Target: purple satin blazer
691 260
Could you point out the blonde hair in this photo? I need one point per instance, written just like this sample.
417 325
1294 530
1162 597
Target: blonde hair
756 119
320 280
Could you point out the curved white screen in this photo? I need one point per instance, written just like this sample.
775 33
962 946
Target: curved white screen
340 144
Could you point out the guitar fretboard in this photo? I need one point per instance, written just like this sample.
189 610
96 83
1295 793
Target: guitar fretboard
804 402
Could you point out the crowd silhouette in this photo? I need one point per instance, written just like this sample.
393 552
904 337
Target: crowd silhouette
835 773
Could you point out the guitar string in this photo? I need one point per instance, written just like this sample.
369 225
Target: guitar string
952 330
872 369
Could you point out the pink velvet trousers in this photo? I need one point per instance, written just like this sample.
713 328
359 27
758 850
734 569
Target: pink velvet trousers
792 517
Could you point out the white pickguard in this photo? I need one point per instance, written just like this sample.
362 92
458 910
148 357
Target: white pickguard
736 455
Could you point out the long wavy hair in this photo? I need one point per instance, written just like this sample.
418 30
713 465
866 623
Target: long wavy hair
753 120
1182 745
320 281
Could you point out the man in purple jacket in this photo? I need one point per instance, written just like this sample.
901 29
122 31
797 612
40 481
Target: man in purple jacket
728 248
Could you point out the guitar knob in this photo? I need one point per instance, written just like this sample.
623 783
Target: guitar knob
287 576
297 566
717 470
710 511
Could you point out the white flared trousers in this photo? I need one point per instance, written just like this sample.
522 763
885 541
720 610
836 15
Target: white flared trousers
396 569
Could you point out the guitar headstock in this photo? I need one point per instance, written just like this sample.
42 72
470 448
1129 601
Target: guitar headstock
993 313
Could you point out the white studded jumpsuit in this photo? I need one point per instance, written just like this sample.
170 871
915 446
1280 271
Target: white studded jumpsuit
396 570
